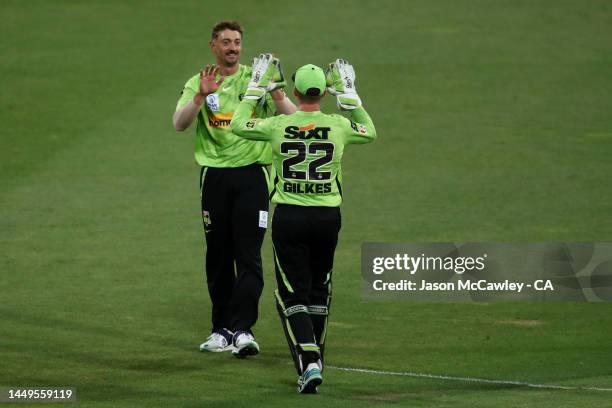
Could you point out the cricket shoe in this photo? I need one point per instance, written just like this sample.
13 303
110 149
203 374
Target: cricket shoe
310 379
218 341
244 344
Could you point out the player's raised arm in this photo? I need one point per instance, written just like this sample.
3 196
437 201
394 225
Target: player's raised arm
265 70
340 78
193 96
283 104
244 125
275 88
362 127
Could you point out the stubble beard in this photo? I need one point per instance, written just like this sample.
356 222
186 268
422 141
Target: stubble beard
229 64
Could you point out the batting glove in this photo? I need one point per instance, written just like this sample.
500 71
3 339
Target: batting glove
340 80
264 70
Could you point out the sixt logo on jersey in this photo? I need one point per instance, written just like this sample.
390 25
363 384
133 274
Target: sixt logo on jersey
307 132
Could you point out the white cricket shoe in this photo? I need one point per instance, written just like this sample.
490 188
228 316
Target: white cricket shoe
310 379
218 341
244 344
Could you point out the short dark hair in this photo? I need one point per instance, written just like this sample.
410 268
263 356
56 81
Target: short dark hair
226 25
312 95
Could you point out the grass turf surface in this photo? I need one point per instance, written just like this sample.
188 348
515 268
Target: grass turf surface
494 123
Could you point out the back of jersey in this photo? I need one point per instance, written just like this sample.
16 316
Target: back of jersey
308 148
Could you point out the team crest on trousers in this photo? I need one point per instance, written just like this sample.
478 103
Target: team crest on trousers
206 220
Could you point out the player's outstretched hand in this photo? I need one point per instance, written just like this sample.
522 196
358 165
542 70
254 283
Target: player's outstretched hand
208 81
265 69
340 78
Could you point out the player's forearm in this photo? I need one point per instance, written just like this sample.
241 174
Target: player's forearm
283 104
359 115
184 117
242 124
242 115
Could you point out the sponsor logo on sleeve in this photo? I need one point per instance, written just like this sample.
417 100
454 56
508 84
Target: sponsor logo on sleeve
212 101
358 127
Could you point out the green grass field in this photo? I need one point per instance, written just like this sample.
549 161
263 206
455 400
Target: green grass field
494 122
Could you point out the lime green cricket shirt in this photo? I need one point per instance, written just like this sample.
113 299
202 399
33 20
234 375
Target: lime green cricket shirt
215 144
307 151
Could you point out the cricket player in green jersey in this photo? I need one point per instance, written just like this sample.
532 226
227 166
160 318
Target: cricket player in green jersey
233 187
307 148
